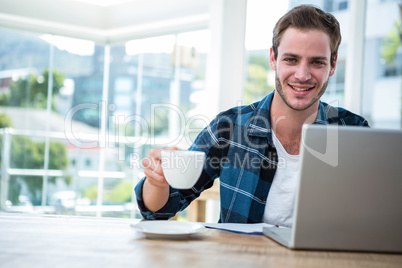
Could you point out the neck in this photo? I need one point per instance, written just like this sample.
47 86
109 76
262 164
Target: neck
288 123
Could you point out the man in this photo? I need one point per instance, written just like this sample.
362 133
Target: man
254 149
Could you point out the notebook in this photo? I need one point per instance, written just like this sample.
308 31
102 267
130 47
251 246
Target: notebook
349 194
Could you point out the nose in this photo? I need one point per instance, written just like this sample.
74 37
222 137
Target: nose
302 72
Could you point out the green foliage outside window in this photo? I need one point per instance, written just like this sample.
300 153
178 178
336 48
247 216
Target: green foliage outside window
32 91
5 121
120 193
26 153
392 42
257 85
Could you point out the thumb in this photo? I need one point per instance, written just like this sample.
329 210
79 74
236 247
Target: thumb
172 148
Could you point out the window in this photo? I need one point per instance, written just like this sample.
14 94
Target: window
342 5
390 64
94 135
335 5
382 99
88 163
382 63
261 18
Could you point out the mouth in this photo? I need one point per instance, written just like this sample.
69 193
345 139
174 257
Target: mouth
302 89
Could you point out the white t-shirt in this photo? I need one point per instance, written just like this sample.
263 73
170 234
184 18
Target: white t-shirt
281 198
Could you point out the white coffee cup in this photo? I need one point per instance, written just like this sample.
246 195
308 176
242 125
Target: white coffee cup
182 169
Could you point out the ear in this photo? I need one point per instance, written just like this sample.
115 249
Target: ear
333 67
272 61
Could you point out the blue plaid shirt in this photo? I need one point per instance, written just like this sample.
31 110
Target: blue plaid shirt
240 151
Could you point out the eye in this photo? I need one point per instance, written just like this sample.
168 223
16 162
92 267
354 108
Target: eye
290 60
319 63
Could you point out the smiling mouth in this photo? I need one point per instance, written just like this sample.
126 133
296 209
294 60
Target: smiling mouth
301 89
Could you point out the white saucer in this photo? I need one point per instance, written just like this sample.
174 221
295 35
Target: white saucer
168 229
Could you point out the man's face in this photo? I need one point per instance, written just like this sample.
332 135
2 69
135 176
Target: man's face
302 67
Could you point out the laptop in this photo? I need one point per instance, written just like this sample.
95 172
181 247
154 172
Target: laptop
349 195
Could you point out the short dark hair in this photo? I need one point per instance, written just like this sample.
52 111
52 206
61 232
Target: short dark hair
308 17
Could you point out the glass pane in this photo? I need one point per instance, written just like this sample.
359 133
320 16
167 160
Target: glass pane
79 66
24 60
261 18
27 163
149 79
140 76
27 153
194 48
152 91
147 82
23 192
382 83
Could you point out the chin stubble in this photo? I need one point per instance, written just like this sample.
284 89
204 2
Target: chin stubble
279 88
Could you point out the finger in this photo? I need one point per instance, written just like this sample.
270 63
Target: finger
155 153
152 164
146 162
155 178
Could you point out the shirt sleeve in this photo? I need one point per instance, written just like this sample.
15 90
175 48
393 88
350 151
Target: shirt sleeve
328 114
168 211
207 142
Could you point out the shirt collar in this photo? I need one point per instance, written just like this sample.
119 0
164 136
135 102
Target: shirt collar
322 115
260 123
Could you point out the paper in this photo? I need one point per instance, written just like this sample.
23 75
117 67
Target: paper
244 228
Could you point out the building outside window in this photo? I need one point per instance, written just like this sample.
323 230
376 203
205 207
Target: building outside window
142 74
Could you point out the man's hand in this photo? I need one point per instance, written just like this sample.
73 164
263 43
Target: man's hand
156 189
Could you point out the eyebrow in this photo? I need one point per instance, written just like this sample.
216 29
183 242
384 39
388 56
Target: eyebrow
298 57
